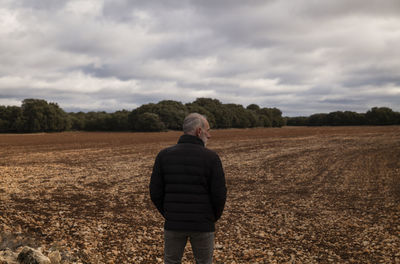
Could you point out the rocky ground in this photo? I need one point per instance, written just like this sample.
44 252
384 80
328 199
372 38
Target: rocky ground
295 195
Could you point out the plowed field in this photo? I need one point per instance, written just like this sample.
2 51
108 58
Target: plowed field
295 195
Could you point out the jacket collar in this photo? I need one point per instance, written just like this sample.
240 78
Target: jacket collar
190 139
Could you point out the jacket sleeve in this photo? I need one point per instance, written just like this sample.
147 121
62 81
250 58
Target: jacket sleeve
157 186
218 188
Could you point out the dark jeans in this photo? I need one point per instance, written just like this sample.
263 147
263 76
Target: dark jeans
175 241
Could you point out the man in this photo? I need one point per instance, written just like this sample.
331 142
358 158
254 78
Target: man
188 188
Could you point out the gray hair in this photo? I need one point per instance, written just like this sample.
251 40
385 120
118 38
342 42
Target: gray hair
193 121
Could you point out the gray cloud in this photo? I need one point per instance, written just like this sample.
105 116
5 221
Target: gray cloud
39 4
302 57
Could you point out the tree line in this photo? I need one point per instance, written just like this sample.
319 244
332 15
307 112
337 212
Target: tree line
37 115
375 116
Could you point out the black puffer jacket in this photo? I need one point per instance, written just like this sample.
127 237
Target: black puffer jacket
188 186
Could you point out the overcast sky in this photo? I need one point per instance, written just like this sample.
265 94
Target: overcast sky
303 56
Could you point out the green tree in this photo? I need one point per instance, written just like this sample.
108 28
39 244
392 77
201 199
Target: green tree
346 118
57 119
10 119
119 121
136 113
40 116
223 118
256 116
318 120
149 122
272 117
171 114
253 107
297 121
381 116
78 120
97 121
353 118
240 117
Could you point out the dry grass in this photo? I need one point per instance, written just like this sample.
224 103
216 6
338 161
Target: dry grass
295 194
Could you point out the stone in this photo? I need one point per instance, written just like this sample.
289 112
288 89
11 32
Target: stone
219 246
8 257
32 256
55 257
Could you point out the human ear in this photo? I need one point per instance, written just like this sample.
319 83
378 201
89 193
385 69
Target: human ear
198 131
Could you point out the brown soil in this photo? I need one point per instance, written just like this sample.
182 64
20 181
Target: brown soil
295 194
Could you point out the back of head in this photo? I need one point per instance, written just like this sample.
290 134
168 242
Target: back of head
192 122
